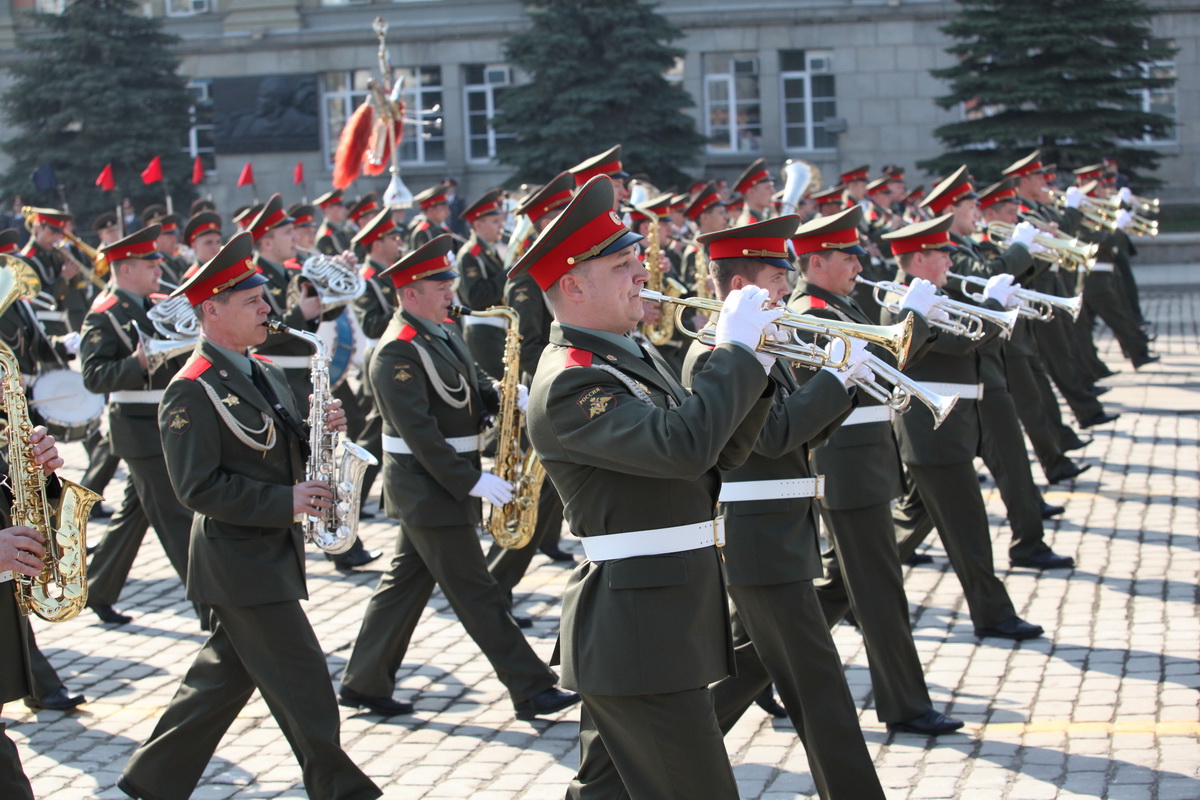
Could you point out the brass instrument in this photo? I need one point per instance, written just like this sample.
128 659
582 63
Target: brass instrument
1100 214
1034 305
1066 251
59 591
332 530
335 279
659 333
98 260
512 525
160 351
963 319
1149 205
799 179
903 390
174 318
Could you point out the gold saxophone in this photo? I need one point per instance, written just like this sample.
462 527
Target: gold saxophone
59 591
659 333
512 525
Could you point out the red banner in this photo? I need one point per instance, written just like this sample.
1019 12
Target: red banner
247 176
105 179
153 171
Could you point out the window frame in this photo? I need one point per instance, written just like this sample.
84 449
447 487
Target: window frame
810 125
731 104
488 90
208 7
203 91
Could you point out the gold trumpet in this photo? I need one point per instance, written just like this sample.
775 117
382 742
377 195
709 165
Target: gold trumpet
962 319
99 270
896 339
1066 251
1105 218
1150 205
1034 305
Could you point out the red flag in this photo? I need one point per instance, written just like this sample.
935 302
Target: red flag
153 171
105 179
298 173
197 170
247 176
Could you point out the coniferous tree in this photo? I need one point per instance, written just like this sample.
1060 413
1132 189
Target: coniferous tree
597 80
97 85
1066 76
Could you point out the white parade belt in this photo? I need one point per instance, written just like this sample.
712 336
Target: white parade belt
655 542
289 362
6 576
137 396
51 316
866 414
461 444
965 391
1102 266
786 489
495 322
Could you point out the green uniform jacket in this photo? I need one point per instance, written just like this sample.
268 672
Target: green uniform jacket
483 275
775 541
377 304
333 240
173 268
24 335
523 295
109 339
650 624
424 232
245 549
429 487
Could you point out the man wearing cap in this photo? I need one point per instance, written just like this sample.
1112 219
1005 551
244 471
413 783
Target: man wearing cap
21 330
941 462
333 237
203 235
606 163
106 228
114 363
304 227
57 274
771 553
756 186
431 222
645 625
432 396
172 264
708 214
235 450
482 284
862 476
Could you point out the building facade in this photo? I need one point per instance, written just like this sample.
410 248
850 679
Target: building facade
836 83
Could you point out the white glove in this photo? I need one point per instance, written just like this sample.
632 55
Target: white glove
1074 197
70 342
922 296
772 333
856 362
522 397
1035 248
492 488
743 318
1125 195
1000 288
1023 234
1124 219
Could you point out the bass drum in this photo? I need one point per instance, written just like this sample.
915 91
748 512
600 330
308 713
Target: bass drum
345 344
68 410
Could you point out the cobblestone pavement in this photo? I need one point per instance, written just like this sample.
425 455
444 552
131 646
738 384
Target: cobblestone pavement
1105 706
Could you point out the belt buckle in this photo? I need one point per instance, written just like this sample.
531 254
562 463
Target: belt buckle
719 532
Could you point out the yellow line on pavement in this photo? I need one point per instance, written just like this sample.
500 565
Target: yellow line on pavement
1176 727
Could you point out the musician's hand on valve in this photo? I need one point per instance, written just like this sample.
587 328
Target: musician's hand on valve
1000 288
921 297
310 302
492 488
1125 195
1074 197
310 497
744 320
1124 219
1023 234
335 415
21 550
651 312
522 397
45 451
349 257
856 361
70 270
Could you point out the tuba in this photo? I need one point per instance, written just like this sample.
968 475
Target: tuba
334 529
59 591
799 179
512 526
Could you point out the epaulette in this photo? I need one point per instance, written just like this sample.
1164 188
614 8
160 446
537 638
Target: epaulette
577 357
104 302
816 302
194 368
292 264
407 333
424 226
367 272
477 249
450 320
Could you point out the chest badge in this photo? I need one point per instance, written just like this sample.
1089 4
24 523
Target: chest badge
230 401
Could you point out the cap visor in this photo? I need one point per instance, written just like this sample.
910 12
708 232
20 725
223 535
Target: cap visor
855 250
782 263
445 275
623 241
257 279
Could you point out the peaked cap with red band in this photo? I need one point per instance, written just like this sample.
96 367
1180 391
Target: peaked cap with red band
153 213
366 205
200 224
1003 192
1029 165
893 172
51 216
169 223
271 217
708 197
832 232
492 202
230 270
933 234
244 216
752 175
915 194
587 228
105 221
857 174
555 194
201 204
431 261
431 196
303 214
655 208
1091 172
1090 188
10 241
830 196
135 245
954 188
379 226
878 185
331 198
607 163
765 241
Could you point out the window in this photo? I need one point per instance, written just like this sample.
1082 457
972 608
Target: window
483 86
1159 101
806 80
200 128
732 109
342 92
188 8
50 6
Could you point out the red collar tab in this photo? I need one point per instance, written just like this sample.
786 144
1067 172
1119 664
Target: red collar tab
816 302
104 302
194 368
407 333
578 358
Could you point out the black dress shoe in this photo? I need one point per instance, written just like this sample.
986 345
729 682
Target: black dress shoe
545 702
522 621
58 700
1073 471
1099 419
1079 444
931 723
1108 372
126 786
108 614
1049 511
918 559
1047 560
1142 359
767 702
559 555
1012 628
355 558
386 706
